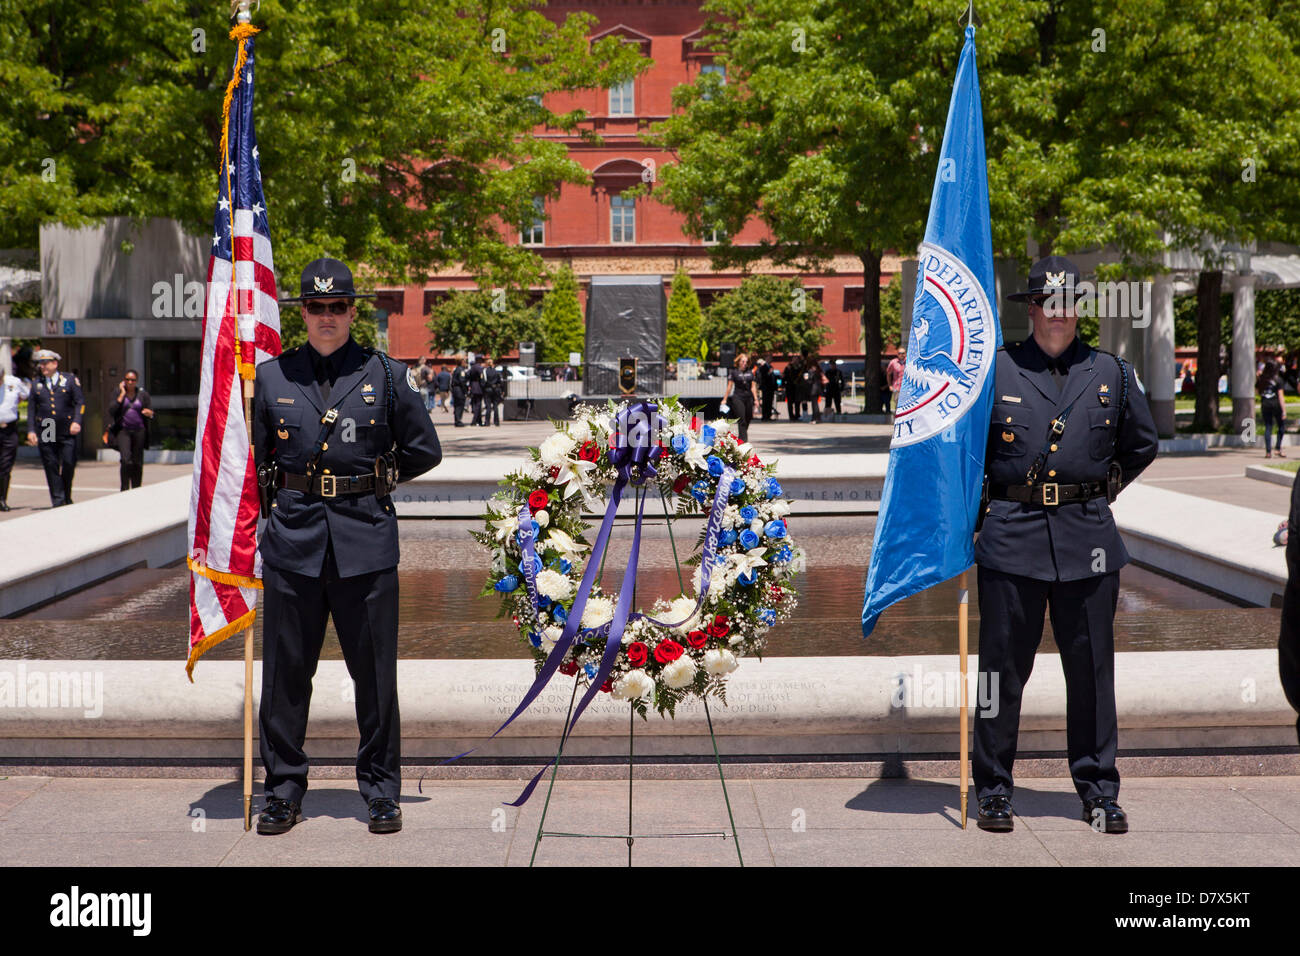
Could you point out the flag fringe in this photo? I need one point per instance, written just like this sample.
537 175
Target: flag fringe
215 638
223 577
243 32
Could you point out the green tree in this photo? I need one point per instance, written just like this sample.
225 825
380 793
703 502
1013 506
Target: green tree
891 312
684 319
825 131
562 324
397 134
766 315
492 322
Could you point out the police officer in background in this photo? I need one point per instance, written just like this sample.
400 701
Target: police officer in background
493 391
1070 427
335 427
12 390
474 378
54 412
459 389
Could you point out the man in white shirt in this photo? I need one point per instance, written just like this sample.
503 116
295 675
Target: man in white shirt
12 391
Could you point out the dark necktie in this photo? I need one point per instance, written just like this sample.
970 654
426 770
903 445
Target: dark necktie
326 373
1060 369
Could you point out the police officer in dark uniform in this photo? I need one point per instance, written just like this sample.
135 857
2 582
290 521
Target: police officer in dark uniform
1070 427
459 389
475 380
335 427
54 411
493 392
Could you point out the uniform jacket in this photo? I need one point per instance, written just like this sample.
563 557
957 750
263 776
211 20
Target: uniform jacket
65 404
458 380
492 382
475 379
1060 542
287 410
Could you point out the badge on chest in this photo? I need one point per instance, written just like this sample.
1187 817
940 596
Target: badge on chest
368 393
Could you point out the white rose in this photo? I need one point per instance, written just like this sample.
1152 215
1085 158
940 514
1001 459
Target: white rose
542 518
597 612
756 526
683 609
680 673
634 684
779 508
550 636
735 638
580 430
554 585
555 450
718 662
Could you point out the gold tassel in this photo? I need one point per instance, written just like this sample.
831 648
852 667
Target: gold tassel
241 33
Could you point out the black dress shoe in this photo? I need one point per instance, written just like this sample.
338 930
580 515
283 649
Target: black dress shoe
279 816
3 506
385 815
995 814
1105 815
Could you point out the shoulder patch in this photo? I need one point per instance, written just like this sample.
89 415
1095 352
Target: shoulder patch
410 380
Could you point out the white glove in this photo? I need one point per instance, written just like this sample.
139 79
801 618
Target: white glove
724 408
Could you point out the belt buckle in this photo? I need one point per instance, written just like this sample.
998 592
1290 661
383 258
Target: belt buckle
327 489
1051 493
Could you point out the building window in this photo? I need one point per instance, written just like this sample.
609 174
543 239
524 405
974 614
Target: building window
622 219
620 99
719 70
535 233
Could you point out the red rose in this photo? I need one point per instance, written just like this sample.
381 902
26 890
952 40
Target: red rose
538 499
668 651
589 451
753 460
680 484
697 638
695 424
638 654
569 668
606 687
554 472
720 627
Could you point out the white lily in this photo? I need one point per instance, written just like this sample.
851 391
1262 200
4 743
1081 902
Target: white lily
696 456
573 475
506 526
750 560
568 548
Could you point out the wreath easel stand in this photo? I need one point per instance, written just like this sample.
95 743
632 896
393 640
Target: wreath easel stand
631 837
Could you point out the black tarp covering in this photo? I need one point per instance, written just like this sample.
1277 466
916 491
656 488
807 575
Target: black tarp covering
627 317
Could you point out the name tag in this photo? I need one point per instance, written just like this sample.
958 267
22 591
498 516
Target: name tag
1011 398
284 401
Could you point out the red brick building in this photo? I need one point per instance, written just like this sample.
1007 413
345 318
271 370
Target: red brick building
599 232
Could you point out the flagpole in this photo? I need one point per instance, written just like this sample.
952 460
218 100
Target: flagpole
962 628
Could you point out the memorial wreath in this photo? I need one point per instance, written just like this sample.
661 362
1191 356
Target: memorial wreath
545 569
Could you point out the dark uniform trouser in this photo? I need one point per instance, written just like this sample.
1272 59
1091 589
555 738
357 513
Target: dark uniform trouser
476 406
493 414
458 403
60 460
364 608
767 405
8 452
1011 628
744 402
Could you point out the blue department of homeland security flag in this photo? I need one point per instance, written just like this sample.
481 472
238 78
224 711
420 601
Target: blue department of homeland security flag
936 461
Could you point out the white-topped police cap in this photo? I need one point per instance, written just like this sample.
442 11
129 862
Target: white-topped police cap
46 355
327 278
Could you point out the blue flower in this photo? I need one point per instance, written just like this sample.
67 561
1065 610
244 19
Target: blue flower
773 488
716 466
775 528
561 564
708 434
748 513
719 559
766 616
559 613
737 486
534 639
507 584
748 539
784 555
727 537
700 490
590 671
680 443
747 578
537 564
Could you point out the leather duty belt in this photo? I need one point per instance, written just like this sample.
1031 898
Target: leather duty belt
328 486
1049 493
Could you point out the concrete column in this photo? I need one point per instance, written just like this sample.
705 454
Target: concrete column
135 359
6 357
1158 367
1242 385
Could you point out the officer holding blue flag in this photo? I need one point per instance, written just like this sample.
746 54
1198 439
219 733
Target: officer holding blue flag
1070 427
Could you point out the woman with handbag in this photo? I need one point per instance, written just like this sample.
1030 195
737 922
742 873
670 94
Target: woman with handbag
129 433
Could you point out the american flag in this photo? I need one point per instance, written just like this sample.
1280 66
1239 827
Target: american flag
241 328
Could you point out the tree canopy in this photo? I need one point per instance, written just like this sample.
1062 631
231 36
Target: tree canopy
684 319
562 325
491 322
766 315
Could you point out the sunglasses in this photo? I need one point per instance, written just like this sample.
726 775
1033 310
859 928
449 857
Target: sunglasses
334 308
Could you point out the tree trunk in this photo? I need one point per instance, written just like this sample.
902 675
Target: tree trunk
1209 288
872 378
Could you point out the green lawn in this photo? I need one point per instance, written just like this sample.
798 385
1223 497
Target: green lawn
1225 405
1284 465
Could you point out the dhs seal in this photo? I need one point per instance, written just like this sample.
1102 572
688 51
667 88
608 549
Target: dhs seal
950 348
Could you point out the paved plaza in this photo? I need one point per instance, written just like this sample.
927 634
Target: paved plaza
779 822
